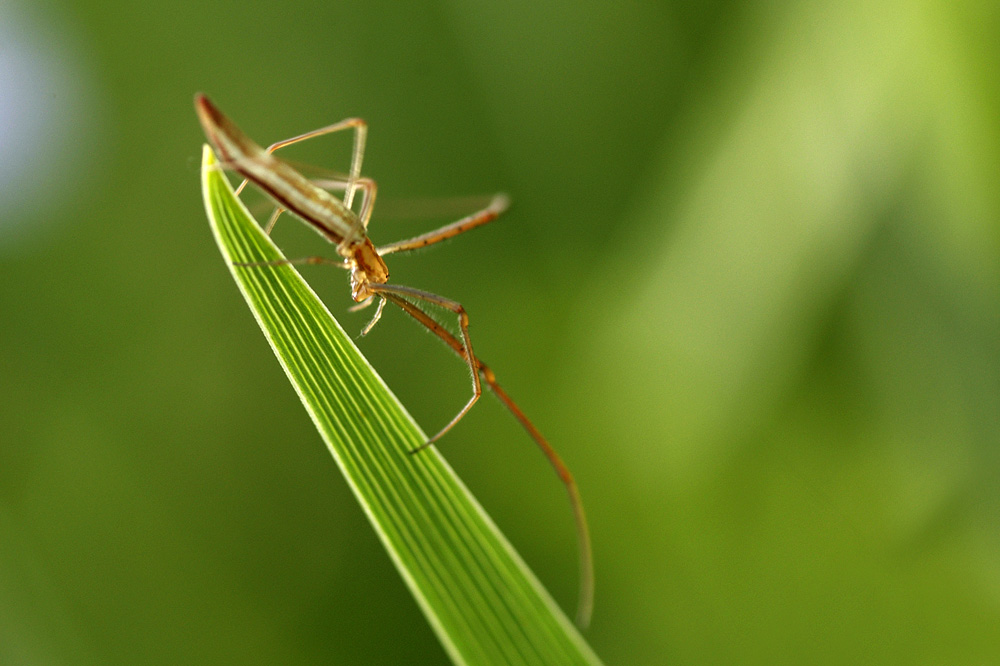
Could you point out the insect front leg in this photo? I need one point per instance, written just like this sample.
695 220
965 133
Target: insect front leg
498 205
339 263
403 297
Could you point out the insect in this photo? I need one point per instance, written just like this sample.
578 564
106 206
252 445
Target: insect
334 219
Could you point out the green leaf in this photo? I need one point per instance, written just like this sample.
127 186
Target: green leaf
484 604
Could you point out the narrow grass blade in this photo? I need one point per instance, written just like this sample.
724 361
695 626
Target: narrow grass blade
478 595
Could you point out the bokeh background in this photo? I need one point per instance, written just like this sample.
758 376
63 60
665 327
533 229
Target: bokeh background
749 287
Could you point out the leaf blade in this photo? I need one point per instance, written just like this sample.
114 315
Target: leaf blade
484 604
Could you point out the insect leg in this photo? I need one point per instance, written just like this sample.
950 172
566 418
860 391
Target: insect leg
273 220
585 604
399 296
360 128
497 206
339 263
378 315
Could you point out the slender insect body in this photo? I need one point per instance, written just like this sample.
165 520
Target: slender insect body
297 195
335 221
287 187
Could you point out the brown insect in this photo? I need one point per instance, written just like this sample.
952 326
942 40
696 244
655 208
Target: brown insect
335 220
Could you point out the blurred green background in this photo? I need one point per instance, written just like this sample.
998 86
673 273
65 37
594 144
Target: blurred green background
749 288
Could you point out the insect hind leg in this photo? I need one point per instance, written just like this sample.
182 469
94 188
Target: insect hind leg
360 128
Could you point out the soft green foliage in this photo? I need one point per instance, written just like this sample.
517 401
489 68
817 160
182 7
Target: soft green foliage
482 601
